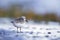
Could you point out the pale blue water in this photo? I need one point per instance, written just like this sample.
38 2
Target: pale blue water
10 35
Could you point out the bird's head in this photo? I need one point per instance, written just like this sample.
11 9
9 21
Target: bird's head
23 17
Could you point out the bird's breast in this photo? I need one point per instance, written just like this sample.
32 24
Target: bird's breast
20 24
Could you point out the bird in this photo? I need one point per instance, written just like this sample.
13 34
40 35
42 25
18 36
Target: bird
19 22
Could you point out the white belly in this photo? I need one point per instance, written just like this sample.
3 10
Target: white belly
21 25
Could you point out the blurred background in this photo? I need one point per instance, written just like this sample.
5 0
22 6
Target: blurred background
37 10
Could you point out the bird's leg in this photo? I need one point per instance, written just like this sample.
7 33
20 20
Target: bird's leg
17 29
20 29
